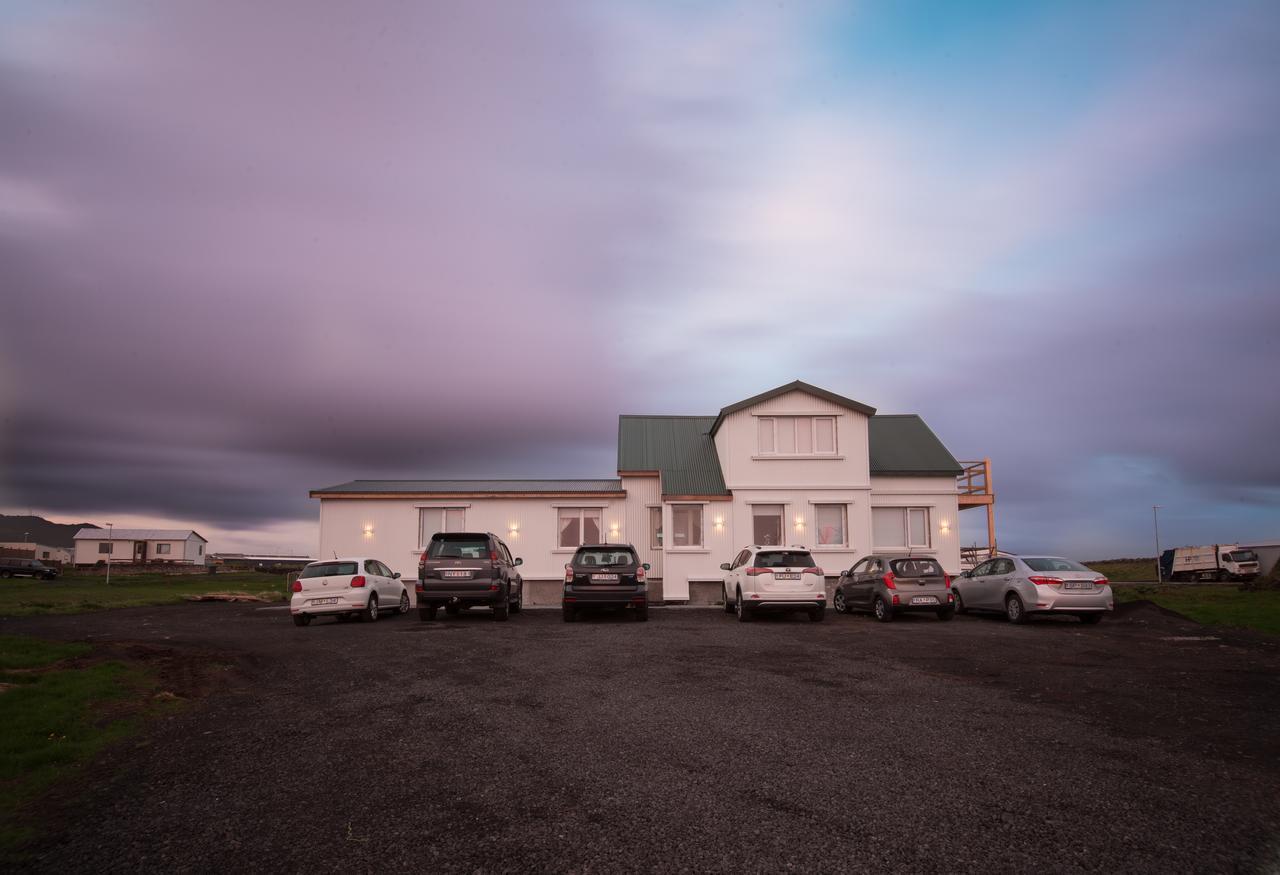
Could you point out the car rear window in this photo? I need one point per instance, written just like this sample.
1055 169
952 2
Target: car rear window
458 548
328 569
605 557
916 568
783 559
1051 563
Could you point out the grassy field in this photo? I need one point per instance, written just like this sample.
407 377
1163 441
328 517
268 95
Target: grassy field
76 594
59 707
1125 569
1213 605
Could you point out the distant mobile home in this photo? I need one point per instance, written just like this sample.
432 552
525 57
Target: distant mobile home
140 546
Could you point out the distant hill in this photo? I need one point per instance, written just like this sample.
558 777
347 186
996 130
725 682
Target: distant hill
40 531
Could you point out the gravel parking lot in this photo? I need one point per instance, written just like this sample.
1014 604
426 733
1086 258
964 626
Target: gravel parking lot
691 742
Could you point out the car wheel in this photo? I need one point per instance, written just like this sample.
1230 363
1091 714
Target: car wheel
1223 576
5 574
1091 619
404 603
728 602
1015 610
427 613
841 606
501 610
960 608
946 614
518 605
817 615
642 613
741 608
301 620
569 614
882 610
370 612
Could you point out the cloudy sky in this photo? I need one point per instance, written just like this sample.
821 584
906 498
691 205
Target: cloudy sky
249 249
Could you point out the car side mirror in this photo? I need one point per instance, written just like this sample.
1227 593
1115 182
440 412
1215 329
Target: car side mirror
724 566
519 561
396 575
645 566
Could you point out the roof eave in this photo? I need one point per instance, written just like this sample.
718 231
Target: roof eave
793 386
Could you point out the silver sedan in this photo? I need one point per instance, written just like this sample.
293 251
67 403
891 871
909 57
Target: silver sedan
1020 586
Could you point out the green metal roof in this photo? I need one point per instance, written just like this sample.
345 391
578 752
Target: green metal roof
903 445
457 487
793 386
679 448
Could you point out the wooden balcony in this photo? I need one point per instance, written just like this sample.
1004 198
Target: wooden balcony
973 486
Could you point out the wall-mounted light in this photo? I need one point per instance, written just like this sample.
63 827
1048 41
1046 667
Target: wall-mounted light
513 529
368 530
614 529
718 522
944 526
799 522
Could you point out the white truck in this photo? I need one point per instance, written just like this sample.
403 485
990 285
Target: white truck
1212 562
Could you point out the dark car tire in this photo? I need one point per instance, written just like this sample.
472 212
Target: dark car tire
518 605
501 611
642 614
1091 619
841 606
570 614
427 613
960 608
301 620
817 615
946 614
741 608
5 574
728 603
883 610
370 612
404 603
1014 609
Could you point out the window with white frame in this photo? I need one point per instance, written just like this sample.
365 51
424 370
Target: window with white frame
655 528
797 435
686 525
578 526
439 519
831 525
162 549
766 524
899 527
104 547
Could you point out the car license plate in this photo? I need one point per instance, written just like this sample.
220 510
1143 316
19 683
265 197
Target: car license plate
455 573
785 576
604 578
1077 584
324 601
924 600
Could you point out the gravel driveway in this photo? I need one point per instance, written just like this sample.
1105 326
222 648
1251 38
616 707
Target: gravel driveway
692 742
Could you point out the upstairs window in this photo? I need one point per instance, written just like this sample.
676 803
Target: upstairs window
797 435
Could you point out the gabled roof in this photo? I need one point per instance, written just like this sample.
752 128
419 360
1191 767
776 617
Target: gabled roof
793 386
137 535
903 445
679 448
471 487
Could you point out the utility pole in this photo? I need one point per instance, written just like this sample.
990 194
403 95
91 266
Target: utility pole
1155 520
111 546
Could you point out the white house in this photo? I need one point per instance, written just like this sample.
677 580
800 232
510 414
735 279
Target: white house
180 546
40 552
795 465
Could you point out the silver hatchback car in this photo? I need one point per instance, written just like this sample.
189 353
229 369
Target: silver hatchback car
1020 586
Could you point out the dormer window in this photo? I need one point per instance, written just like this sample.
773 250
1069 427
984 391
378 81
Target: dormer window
797 435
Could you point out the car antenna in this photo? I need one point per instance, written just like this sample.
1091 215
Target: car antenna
335 554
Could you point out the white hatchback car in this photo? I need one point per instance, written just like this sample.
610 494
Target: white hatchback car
762 578
347 588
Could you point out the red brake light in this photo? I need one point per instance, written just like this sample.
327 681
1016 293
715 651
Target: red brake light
752 572
358 580
888 581
297 586
946 579
423 560
814 570
493 555
640 574
1045 581
1101 581
568 574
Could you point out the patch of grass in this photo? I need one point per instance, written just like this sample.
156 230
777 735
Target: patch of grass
76 594
1213 605
1125 569
53 722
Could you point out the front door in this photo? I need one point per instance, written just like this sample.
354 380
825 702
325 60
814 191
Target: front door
139 551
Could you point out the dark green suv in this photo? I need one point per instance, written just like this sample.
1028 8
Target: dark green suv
27 568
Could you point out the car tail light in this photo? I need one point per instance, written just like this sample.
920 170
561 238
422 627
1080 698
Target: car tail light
418 587
297 586
1046 581
639 575
493 556
423 560
895 598
815 570
1101 581
752 572
358 580
946 580
888 581
568 574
